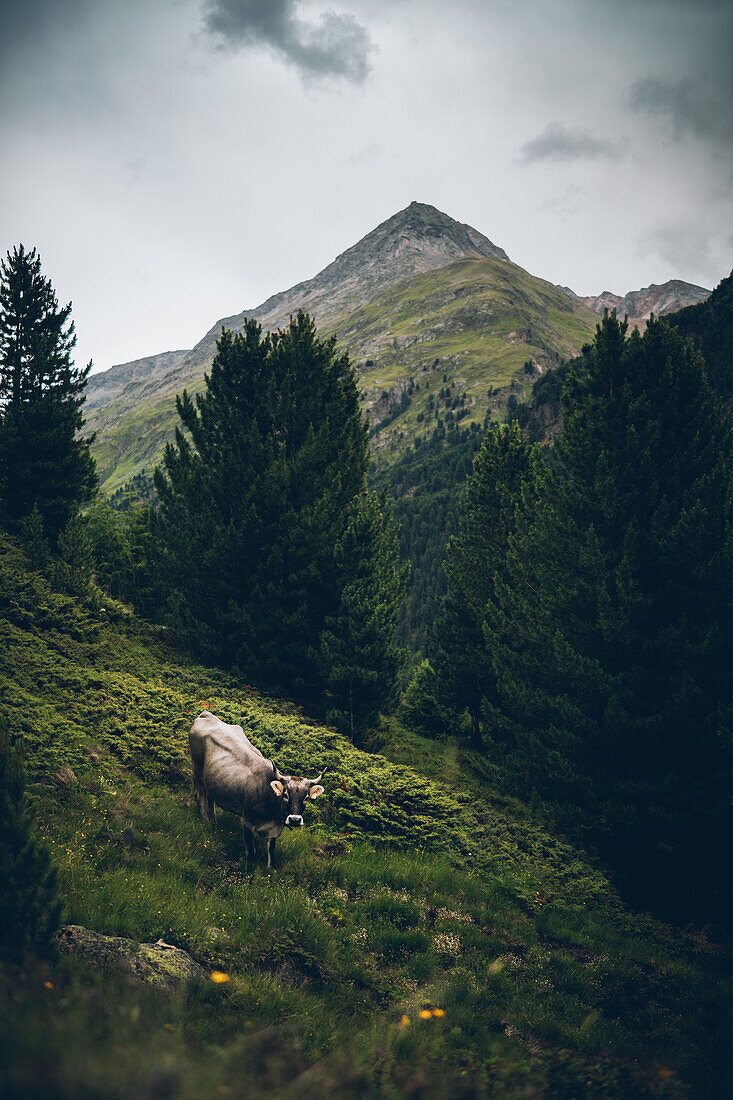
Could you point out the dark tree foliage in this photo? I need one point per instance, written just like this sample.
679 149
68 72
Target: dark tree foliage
29 900
612 627
255 500
124 554
43 464
477 550
425 486
360 657
423 707
709 325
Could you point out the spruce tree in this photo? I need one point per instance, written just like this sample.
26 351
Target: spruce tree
43 463
612 624
360 657
458 647
255 498
29 900
423 707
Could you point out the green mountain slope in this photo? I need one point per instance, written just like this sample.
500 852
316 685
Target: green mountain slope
471 325
415 889
420 297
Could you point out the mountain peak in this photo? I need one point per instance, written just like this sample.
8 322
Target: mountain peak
433 234
416 239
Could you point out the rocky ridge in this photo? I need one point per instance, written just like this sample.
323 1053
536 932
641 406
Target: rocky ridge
638 305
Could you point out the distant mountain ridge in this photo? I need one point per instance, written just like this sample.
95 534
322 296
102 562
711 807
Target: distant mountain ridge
417 239
638 305
438 321
107 385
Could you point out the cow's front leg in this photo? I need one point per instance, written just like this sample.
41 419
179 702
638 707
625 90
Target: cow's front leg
248 835
271 851
210 807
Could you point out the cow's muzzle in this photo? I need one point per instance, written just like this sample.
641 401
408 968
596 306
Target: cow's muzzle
294 821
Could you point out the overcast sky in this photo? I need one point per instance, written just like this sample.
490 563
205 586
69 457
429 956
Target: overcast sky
176 161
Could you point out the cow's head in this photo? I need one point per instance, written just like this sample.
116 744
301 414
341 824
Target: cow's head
294 792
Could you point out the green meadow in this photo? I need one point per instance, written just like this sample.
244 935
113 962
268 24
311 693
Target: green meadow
424 936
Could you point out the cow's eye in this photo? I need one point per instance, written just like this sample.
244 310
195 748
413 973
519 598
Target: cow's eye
286 797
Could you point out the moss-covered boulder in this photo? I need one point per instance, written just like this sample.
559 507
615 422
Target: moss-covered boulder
159 964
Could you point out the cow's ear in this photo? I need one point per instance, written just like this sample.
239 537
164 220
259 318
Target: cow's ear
277 787
316 790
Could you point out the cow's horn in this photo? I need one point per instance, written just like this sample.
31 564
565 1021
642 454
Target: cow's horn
319 777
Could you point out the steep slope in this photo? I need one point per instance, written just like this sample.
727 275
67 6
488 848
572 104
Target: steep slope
433 351
422 929
659 299
420 294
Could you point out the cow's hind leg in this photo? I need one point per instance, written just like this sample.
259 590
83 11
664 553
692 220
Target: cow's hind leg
210 807
199 789
248 835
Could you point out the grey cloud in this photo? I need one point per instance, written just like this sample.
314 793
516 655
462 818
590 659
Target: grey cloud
337 46
564 205
26 23
560 143
683 104
684 245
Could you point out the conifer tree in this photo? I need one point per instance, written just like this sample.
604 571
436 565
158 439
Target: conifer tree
29 900
76 560
359 654
43 463
612 625
488 504
254 500
423 707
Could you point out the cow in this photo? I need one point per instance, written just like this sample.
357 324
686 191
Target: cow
230 772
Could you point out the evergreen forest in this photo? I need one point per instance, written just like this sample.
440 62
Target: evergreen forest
508 651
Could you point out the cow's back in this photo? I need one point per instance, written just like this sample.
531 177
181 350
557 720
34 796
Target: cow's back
209 734
233 770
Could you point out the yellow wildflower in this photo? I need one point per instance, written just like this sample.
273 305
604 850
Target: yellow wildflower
219 976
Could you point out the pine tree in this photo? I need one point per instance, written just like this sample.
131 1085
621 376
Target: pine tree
359 654
35 542
612 624
254 499
43 463
76 561
423 707
488 504
29 900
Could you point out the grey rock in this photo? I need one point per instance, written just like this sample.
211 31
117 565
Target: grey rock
159 964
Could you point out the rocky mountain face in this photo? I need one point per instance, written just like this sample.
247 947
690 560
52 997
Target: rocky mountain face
111 384
638 305
415 240
439 322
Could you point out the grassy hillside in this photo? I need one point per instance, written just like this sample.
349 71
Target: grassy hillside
422 937
472 325
469 327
